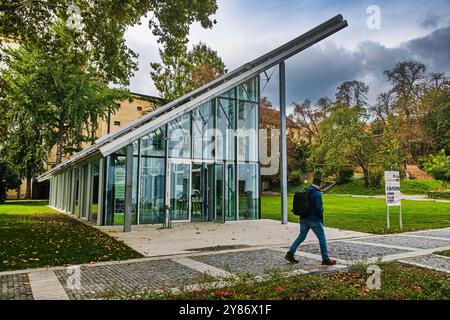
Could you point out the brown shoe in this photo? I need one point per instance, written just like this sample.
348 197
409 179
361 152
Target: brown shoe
329 262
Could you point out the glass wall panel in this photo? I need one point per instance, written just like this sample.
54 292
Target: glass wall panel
154 143
230 192
248 131
203 131
95 189
179 190
249 90
248 191
152 190
84 191
115 190
230 94
219 199
179 137
76 174
226 116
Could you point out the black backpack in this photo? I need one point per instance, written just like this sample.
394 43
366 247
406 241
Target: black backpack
302 203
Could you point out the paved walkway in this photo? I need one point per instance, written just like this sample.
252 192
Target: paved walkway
186 238
415 248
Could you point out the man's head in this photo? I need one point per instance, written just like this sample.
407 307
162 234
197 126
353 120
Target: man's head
317 181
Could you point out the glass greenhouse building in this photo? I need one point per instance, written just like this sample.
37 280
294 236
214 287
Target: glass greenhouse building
189 164
193 159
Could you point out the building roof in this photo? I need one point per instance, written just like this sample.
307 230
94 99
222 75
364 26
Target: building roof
117 139
272 117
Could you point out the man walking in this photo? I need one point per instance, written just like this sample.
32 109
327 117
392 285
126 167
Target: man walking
313 221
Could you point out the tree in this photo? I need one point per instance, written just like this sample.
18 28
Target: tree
383 108
438 166
54 90
352 93
436 110
344 140
105 23
308 117
406 78
8 178
180 74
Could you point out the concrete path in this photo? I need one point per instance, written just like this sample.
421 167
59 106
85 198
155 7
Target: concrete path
415 248
46 286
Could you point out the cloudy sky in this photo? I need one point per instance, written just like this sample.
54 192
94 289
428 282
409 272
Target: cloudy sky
246 29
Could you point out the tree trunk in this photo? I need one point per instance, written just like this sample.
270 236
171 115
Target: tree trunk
366 177
59 144
28 186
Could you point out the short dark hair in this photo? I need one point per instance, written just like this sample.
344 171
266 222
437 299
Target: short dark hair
317 181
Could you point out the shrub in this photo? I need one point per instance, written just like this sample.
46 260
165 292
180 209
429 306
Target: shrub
295 177
376 178
439 195
345 175
438 166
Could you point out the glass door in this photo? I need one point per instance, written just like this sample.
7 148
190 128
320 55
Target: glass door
178 195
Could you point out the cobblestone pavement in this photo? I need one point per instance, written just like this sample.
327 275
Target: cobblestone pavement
414 248
407 241
15 287
255 262
432 261
155 274
440 233
351 251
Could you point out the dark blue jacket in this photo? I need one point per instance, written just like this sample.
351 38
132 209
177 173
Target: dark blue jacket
316 214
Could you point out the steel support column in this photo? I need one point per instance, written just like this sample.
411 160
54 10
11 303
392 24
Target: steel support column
283 149
128 189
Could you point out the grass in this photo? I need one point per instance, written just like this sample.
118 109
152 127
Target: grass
398 281
444 253
33 235
369 214
409 187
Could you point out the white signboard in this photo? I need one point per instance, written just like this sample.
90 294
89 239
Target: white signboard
392 186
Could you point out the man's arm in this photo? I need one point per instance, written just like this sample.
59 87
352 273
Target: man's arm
318 204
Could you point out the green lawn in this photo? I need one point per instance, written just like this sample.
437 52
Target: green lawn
398 282
409 187
33 235
369 214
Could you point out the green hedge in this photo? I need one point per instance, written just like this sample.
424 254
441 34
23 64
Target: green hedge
439 195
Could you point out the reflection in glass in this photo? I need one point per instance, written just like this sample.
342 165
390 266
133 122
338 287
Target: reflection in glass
154 144
152 190
230 193
179 137
249 90
179 191
248 191
203 131
95 184
219 193
248 131
226 115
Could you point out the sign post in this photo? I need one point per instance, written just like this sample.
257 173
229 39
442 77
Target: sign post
393 195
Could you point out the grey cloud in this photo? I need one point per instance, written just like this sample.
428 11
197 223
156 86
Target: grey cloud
431 21
318 71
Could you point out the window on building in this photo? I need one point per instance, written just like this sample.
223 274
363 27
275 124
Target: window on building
117 123
139 108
